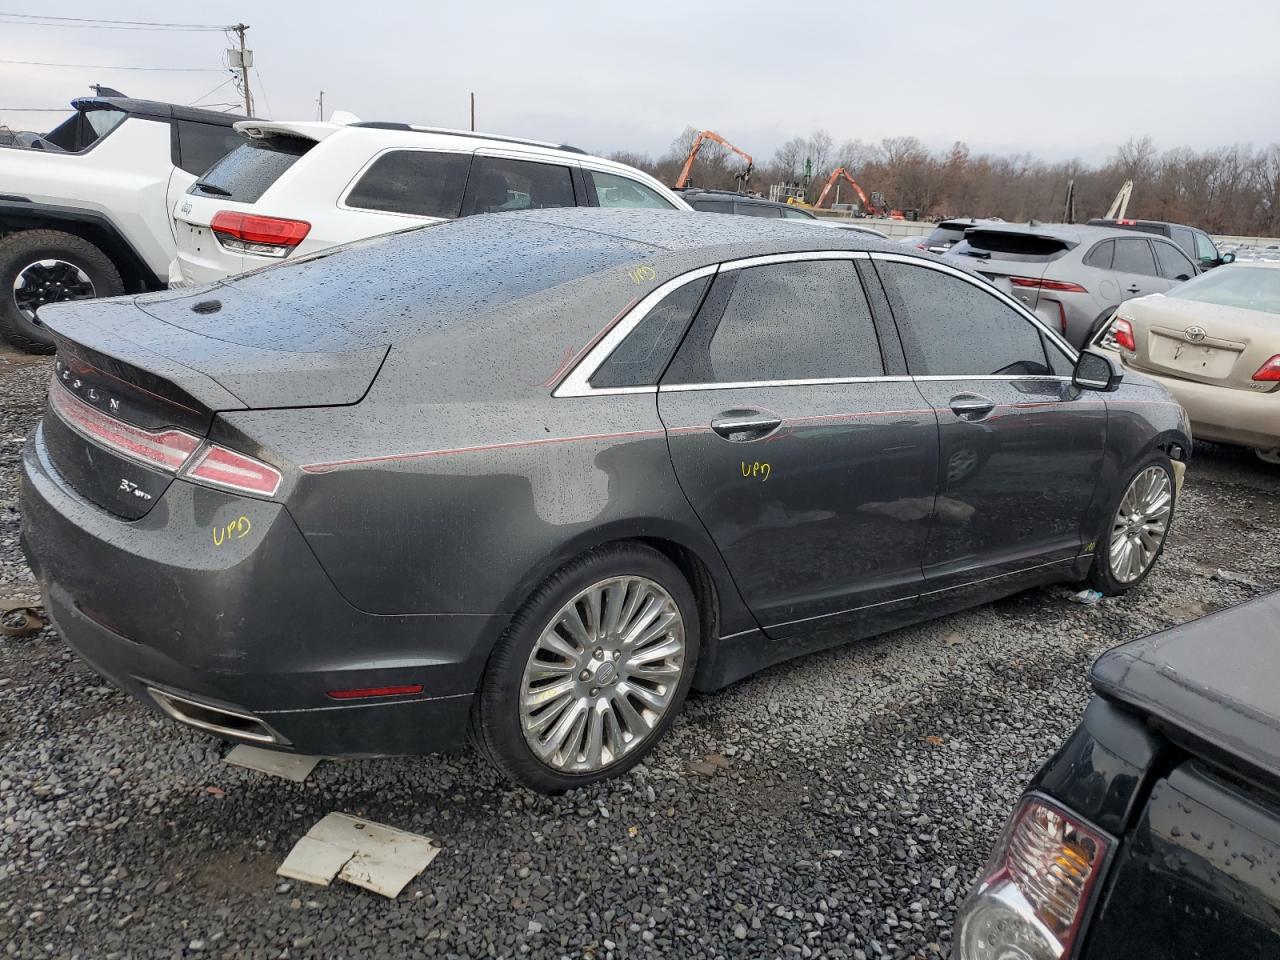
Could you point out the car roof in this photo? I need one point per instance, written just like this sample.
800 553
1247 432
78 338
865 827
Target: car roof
156 110
1215 680
1132 222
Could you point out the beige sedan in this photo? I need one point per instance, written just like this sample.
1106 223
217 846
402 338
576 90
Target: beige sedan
1214 342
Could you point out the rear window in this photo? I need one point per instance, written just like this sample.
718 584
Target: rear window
946 233
1001 245
248 171
1134 256
1251 288
201 145
422 183
84 128
499 184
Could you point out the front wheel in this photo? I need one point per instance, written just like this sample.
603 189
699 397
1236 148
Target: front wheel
1140 523
592 670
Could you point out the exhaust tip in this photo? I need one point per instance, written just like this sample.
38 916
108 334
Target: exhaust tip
226 723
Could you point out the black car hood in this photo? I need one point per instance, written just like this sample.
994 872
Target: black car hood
191 338
1215 680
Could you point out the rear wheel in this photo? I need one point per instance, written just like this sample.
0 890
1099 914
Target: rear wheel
38 267
1140 521
591 672
1268 454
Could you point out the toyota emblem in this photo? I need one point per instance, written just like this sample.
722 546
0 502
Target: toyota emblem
1194 334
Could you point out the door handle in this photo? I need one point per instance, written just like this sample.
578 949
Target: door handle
740 426
971 407
1134 289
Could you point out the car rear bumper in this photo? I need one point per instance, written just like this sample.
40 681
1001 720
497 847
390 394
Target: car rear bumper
1226 415
246 638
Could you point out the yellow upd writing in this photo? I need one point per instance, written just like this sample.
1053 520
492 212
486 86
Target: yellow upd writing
756 469
237 529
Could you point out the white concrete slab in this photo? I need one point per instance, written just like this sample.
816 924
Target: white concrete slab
291 766
370 855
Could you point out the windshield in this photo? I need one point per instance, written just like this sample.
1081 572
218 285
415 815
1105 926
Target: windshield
85 127
1250 288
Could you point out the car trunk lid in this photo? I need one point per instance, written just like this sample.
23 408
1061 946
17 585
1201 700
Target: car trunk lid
134 381
1207 343
1210 684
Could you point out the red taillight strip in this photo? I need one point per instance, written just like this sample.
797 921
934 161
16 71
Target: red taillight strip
364 693
166 449
1062 286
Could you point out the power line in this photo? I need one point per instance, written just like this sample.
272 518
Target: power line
108 66
33 109
211 92
40 20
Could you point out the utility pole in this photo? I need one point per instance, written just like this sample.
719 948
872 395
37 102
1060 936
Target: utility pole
473 112
320 107
243 59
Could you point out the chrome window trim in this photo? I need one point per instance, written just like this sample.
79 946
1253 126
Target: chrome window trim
578 382
1071 353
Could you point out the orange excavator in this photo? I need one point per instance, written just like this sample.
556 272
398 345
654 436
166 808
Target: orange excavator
743 178
870 208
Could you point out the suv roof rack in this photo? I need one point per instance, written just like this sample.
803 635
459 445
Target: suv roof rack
389 125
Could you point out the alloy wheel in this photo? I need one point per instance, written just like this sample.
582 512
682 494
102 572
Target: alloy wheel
1140 524
602 674
49 281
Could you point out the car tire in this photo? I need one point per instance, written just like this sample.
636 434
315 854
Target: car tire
1268 454
1102 574
76 266
503 722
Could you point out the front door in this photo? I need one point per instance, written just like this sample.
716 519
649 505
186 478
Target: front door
813 472
1020 448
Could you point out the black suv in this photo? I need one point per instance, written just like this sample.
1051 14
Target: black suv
1197 244
1154 832
727 201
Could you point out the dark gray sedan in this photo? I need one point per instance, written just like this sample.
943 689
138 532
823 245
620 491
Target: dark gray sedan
534 475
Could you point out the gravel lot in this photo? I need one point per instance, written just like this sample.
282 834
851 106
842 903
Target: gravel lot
863 788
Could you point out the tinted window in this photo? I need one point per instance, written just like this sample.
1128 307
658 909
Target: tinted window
951 328
795 321
1205 249
1010 245
615 191
792 213
757 210
246 172
499 184
713 206
640 359
1100 256
418 182
1173 265
1182 237
201 145
1134 256
84 128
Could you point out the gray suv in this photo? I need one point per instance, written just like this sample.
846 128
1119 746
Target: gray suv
1073 276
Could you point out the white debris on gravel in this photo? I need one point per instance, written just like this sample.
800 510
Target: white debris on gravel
291 766
366 854
852 794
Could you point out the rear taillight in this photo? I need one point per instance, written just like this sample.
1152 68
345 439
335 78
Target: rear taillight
1034 893
165 450
220 467
250 233
1062 286
1122 331
1269 372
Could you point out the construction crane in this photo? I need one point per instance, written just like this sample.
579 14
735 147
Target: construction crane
867 205
742 178
1120 205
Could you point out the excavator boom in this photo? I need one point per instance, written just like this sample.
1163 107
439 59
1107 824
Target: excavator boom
683 180
836 175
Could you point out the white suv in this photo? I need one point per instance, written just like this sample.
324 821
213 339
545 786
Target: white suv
304 186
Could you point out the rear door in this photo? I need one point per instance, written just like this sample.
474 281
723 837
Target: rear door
806 452
1019 447
1135 268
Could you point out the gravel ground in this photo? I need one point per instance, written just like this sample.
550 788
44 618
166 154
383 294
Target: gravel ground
860 789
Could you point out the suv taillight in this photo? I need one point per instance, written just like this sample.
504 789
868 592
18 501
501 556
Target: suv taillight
1033 895
1062 286
264 236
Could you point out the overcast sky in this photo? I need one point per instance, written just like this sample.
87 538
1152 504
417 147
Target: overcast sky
1057 80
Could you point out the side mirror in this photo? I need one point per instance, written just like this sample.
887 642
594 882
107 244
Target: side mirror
1097 371
1228 258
